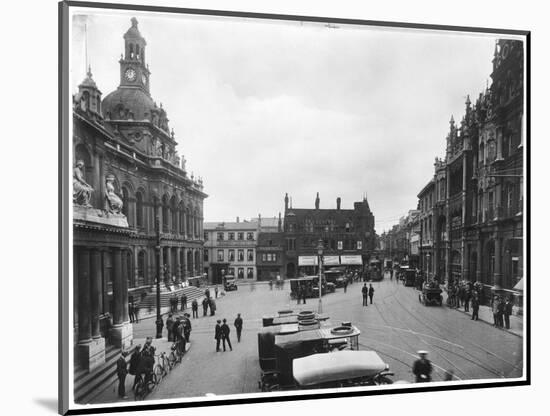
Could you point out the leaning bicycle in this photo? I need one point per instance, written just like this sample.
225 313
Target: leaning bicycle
162 367
144 385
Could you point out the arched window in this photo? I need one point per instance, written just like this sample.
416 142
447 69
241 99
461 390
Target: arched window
125 203
174 213
165 214
139 209
187 223
182 219
141 268
131 51
137 51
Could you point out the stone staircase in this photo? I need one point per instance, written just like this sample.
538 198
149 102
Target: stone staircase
147 306
88 385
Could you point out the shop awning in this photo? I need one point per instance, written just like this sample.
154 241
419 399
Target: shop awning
519 285
351 260
307 260
331 260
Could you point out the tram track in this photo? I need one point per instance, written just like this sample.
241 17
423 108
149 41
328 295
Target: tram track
469 356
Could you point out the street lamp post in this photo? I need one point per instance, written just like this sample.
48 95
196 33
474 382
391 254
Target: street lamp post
320 247
158 322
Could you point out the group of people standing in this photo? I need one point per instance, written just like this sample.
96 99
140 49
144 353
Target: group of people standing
133 312
222 331
174 300
141 366
502 309
368 293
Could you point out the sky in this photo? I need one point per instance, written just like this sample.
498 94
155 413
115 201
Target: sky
263 108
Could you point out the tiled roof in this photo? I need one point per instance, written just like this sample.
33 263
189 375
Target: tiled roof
230 226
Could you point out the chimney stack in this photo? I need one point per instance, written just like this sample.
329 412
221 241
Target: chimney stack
317 200
338 202
237 219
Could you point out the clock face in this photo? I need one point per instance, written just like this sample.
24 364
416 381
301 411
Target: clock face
130 74
143 79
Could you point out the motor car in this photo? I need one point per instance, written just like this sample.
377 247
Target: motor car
230 284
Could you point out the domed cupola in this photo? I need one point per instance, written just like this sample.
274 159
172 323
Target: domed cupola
88 99
132 100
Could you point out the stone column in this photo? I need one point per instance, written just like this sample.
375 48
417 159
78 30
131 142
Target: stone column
169 263
184 264
118 299
478 260
121 333
136 267
84 304
192 264
498 271
178 265
465 260
95 290
124 286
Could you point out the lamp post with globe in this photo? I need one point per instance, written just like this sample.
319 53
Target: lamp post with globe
320 248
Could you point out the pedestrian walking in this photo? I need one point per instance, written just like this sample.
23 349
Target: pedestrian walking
371 293
365 292
134 364
121 371
170 327
467 295
475 307
304 293
500 312
175 303
239 326
205 306
207 293
136 313
218 334
225 335
186 327
131 311
422 368
298 295
212 305
216 292
271 285
495 311
507 312
195 308
183 302
345 285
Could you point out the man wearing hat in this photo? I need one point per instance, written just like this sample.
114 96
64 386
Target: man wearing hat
218 334
121 371
422 368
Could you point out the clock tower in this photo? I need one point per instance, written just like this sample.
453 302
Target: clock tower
133 71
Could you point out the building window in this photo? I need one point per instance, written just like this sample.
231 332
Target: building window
231 271
359 245
250 273
240 236
249 255
240 255
231 255
347 227
205 236
340 245
240 273
220 255
205 255
220 236
250 236
291 244
231 236
264 257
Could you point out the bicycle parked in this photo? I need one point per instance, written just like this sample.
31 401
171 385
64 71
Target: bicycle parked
162 367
